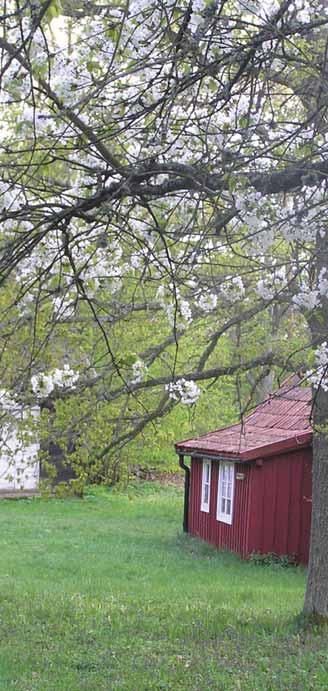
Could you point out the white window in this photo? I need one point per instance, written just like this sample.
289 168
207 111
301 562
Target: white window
225 492
206 486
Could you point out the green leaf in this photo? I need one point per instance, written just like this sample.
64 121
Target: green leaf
54 10
129 360
92 66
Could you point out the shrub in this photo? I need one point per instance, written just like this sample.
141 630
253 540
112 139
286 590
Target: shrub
273 559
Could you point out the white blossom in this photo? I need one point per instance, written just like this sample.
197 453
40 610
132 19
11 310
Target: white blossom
65 377
208 302
323 282
264 290
135 261
7 401
185 311
232 288
187 392
307 298
139 371
198 7
63 307
43 384
319 376
160 295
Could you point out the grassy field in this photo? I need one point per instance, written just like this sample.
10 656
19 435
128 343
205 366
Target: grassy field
106 593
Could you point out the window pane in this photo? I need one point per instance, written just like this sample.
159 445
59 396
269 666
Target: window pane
225 492
205 494
207 472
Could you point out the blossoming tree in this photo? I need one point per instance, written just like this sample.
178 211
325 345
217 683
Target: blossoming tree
164 174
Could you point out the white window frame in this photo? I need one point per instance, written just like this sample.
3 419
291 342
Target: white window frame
206 482
226 490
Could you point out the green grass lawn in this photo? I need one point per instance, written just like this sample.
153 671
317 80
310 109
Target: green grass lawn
107 593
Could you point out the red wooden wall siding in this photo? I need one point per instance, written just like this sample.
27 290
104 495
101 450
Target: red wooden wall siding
280 513
272 507
205 525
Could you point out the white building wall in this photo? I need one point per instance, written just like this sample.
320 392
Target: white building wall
19 462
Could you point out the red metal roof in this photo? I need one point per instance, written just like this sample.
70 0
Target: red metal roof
281 423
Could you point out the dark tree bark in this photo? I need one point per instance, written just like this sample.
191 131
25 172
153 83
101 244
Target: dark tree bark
316 598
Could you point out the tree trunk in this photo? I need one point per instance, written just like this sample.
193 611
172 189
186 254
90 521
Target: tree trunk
316 598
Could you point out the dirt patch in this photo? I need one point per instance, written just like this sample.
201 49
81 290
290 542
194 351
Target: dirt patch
176 479
170 478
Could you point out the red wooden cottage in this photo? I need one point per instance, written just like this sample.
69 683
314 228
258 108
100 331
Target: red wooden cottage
249 487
